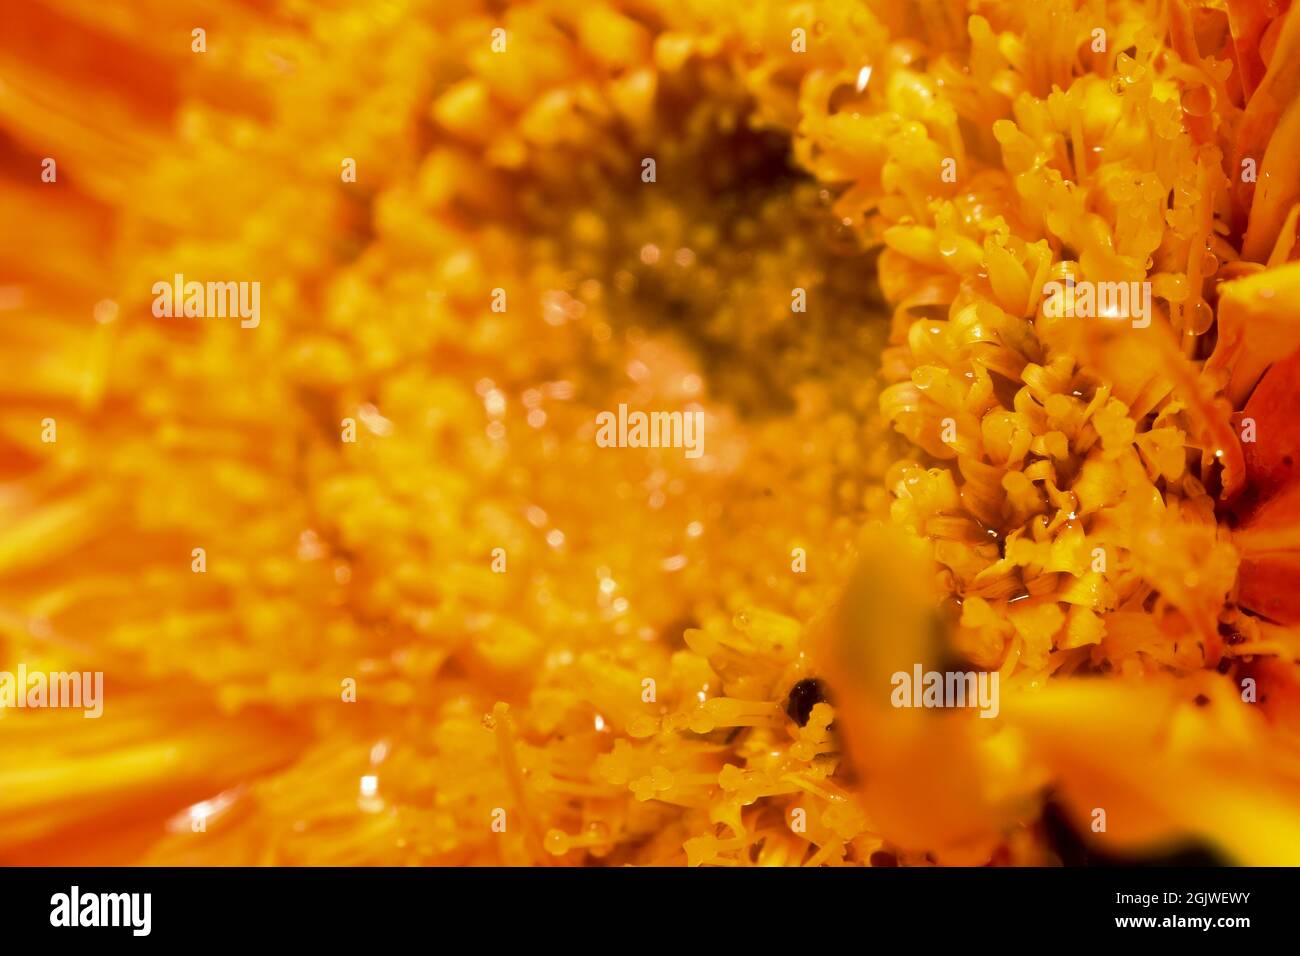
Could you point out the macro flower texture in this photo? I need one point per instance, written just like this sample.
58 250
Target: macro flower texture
649 432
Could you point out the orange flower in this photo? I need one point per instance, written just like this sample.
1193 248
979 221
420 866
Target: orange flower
363 585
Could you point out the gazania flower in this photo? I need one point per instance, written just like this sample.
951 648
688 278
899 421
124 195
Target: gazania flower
985 310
